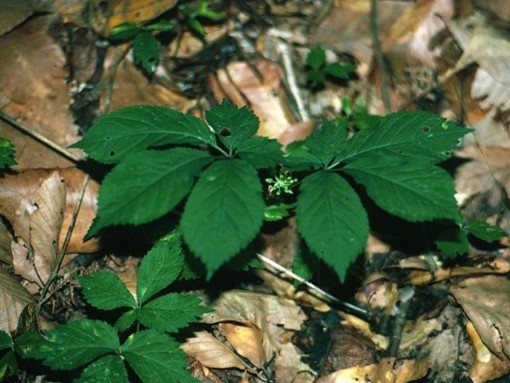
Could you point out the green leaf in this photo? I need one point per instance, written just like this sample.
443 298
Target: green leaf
338 70
126 320
326 142
136 128
316 58
160 267
70 345
298 158
197 26
452 243
5 341
232 124
331 219
163 25
223 213
420 136
156 358
261 152
106 291
124 31
484 231
171 312
315 78
146 51
202 10
107 369
8 363
146 186
6 153
412 190
277 212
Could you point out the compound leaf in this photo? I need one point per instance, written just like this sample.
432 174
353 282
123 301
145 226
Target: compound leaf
160 267
331 219
223 213
171 312
70 345
106 291
135 128
146 51
261 152
156 357
412 190
107 369
420 136
147 185
232 124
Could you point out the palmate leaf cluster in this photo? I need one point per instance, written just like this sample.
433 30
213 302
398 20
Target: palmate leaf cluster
95 346
163 158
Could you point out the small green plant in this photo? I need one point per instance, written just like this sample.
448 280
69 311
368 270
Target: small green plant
6 153
455 241
319 70
100 349
146 46
163 157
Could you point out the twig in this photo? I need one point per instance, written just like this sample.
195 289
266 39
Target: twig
311 286
290 76
43 297
40 138
379 56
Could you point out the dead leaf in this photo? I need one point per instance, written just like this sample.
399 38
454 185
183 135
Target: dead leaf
35 93
273 316
246 339
18 190
486 366
485 301
482 44
209 351
13 299
5 243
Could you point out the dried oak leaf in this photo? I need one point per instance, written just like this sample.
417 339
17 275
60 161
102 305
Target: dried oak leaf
485 301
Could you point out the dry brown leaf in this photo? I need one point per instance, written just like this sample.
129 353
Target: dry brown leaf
13 299
5 243
273 316
133 88
485 301
17 192
209 351
35 93
483 45
246 339
486 366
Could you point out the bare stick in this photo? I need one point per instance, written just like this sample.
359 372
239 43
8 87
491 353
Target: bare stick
379 56
310 285
40 138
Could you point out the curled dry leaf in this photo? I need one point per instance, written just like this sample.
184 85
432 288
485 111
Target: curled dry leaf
485 301
18 192
274 317
42 220
210 352
246 339
486 366
13 299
